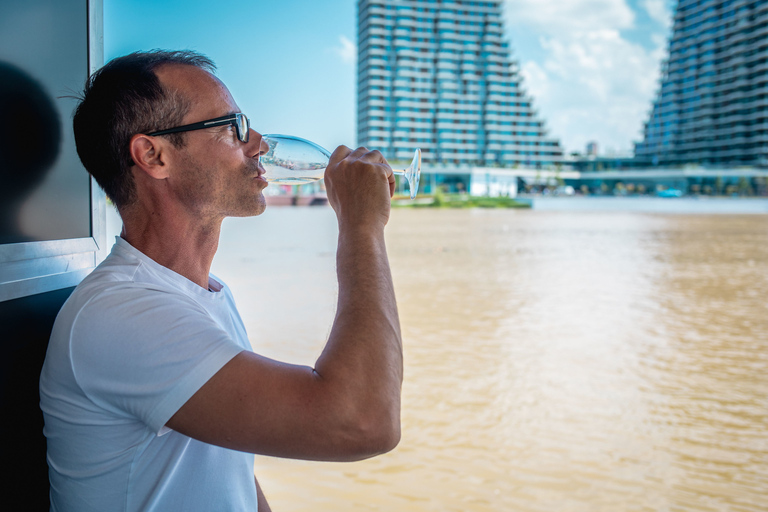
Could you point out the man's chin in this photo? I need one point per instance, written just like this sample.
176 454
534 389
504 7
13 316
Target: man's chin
256 207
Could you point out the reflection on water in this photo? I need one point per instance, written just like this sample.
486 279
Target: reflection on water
554 360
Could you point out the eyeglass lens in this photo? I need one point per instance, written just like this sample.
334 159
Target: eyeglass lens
243 127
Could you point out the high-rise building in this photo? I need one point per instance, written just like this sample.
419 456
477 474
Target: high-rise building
712 106
437 75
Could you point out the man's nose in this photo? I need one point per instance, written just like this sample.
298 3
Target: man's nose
263 146
260 145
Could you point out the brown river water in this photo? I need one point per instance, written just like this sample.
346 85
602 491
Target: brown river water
554 360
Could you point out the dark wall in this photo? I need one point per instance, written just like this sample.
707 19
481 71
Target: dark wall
44 192
26 326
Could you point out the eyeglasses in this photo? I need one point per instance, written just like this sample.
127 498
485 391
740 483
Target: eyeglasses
240 122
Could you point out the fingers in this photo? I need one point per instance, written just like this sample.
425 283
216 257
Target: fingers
340 154
376 157
373 157
361 155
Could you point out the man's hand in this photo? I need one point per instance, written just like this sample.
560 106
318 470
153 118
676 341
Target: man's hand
360 185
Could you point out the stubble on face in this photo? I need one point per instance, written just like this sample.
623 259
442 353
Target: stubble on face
211 192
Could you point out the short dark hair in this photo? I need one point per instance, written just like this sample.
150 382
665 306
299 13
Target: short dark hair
121 99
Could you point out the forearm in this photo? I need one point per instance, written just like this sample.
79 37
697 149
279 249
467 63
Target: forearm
363 358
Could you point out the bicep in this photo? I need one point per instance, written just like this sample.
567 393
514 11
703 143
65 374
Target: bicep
259 405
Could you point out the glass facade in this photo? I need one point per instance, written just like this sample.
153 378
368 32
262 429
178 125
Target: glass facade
437 75
712 105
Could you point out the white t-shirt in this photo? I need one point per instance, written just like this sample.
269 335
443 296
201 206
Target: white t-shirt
130 346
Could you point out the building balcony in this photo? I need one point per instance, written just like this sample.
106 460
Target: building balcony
448 120
446 45
374 103
378 134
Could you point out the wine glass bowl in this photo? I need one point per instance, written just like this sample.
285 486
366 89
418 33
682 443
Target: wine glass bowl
295 161
413 173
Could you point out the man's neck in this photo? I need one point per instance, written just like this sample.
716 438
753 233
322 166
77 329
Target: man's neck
185 245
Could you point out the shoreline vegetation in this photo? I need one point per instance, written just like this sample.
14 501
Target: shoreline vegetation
442 200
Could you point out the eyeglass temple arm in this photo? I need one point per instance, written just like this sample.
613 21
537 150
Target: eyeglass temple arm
193 126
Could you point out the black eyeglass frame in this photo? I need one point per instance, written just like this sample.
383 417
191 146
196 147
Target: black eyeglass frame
233 119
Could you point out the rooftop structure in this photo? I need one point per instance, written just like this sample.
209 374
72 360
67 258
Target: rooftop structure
712 106
437 75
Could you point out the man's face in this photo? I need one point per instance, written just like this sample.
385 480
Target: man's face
218 175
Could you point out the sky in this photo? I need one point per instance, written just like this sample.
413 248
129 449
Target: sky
591 66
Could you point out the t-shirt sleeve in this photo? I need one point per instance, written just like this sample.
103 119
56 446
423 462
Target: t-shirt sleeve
143 353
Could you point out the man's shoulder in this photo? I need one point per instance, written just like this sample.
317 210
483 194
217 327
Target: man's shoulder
118 285
116 278
115 268
126 270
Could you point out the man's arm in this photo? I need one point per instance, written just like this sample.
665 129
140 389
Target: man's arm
348 406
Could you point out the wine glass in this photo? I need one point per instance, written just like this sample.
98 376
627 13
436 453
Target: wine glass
295 161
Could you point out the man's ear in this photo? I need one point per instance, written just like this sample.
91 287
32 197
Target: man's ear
149 155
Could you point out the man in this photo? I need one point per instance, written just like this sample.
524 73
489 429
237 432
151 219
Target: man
151 396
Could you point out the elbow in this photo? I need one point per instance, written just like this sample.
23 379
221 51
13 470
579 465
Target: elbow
379 439
393 440
374 435
387 436
364 421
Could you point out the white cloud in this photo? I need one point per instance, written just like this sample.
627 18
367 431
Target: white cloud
589 82
347 50
597 86
659 11
554 17
536 79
